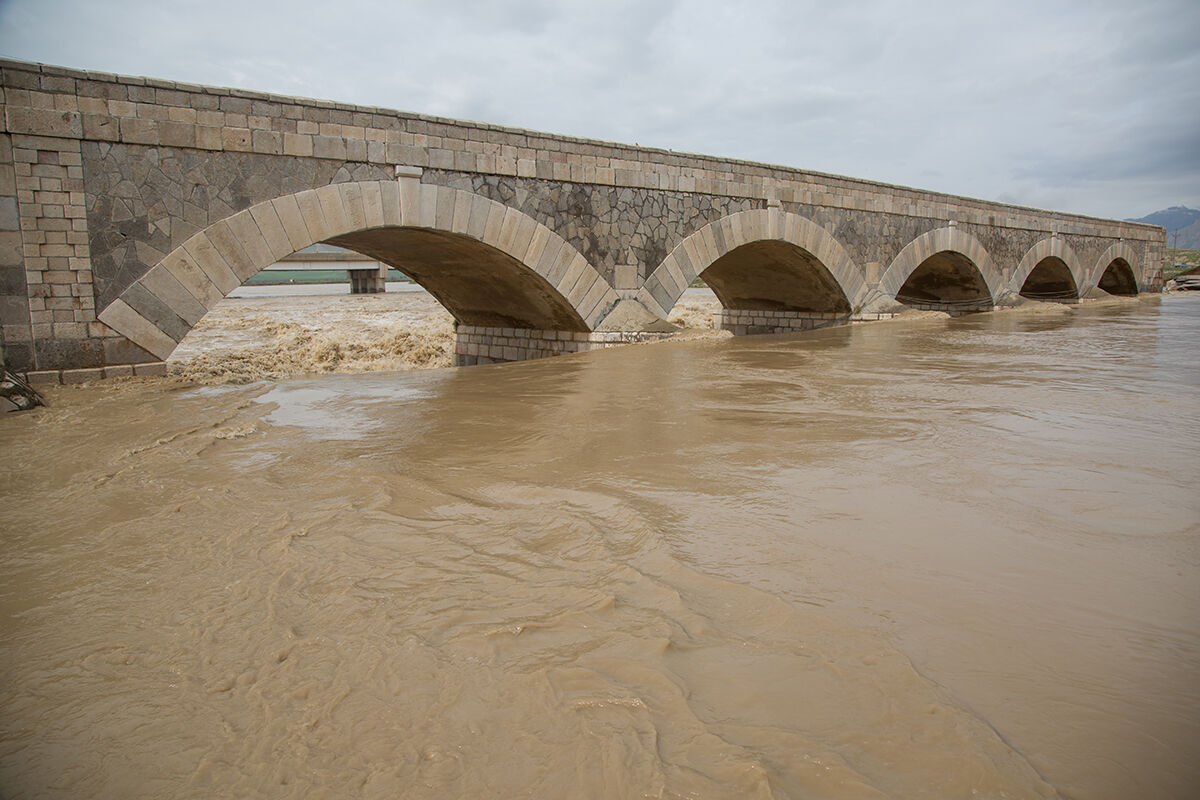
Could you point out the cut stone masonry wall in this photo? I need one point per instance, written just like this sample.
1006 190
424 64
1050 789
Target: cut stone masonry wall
481 345
742 322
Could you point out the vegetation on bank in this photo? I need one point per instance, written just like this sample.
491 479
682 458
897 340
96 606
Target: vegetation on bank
1188 258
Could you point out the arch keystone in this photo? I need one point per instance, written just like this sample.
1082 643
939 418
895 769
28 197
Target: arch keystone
352 204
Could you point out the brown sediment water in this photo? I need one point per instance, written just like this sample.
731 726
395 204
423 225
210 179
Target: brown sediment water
272 336
926 558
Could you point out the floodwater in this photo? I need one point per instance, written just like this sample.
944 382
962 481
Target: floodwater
283 331
932 558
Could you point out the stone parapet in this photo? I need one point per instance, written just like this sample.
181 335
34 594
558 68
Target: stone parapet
53 101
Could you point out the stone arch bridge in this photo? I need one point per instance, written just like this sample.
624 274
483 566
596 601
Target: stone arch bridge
130 206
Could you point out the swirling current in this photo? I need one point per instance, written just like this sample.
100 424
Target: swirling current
930 558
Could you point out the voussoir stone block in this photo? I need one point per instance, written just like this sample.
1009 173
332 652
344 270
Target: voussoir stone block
462 211
232 250
443 217
372 201
410 201
389 193
209 258
481 207
495 221
352 204
166 287
137 328
330 198
183 268
272 229
288 211
313 216
247 235
537 246
427 206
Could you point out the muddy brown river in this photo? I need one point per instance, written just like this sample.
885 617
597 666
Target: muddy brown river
927 558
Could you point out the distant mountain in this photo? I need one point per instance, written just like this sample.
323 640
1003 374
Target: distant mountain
1181 219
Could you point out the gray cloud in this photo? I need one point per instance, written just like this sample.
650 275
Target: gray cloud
1088 107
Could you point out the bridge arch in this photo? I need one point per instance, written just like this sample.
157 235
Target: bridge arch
948 256
760 258
1049 270
488 263
1114 270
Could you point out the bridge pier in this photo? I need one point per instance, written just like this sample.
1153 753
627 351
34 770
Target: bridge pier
476 344
368 281
742 322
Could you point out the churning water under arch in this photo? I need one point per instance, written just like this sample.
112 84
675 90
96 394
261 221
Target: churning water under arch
911 559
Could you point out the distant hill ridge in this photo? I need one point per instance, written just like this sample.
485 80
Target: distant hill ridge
1181 219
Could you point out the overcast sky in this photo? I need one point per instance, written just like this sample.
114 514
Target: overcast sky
1091 107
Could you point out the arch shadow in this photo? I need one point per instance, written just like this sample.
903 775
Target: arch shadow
1113 271
945 269
1050 270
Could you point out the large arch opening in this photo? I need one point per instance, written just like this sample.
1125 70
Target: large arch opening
1118 278
1051 280
272 331
946 281
775 276
516 289
765 271
479 284
768 286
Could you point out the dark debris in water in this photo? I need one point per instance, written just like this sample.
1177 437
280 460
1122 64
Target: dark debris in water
17 395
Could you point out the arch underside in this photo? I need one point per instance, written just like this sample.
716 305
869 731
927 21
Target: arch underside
478 284
774 275
948 281
1118 278
1050 280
